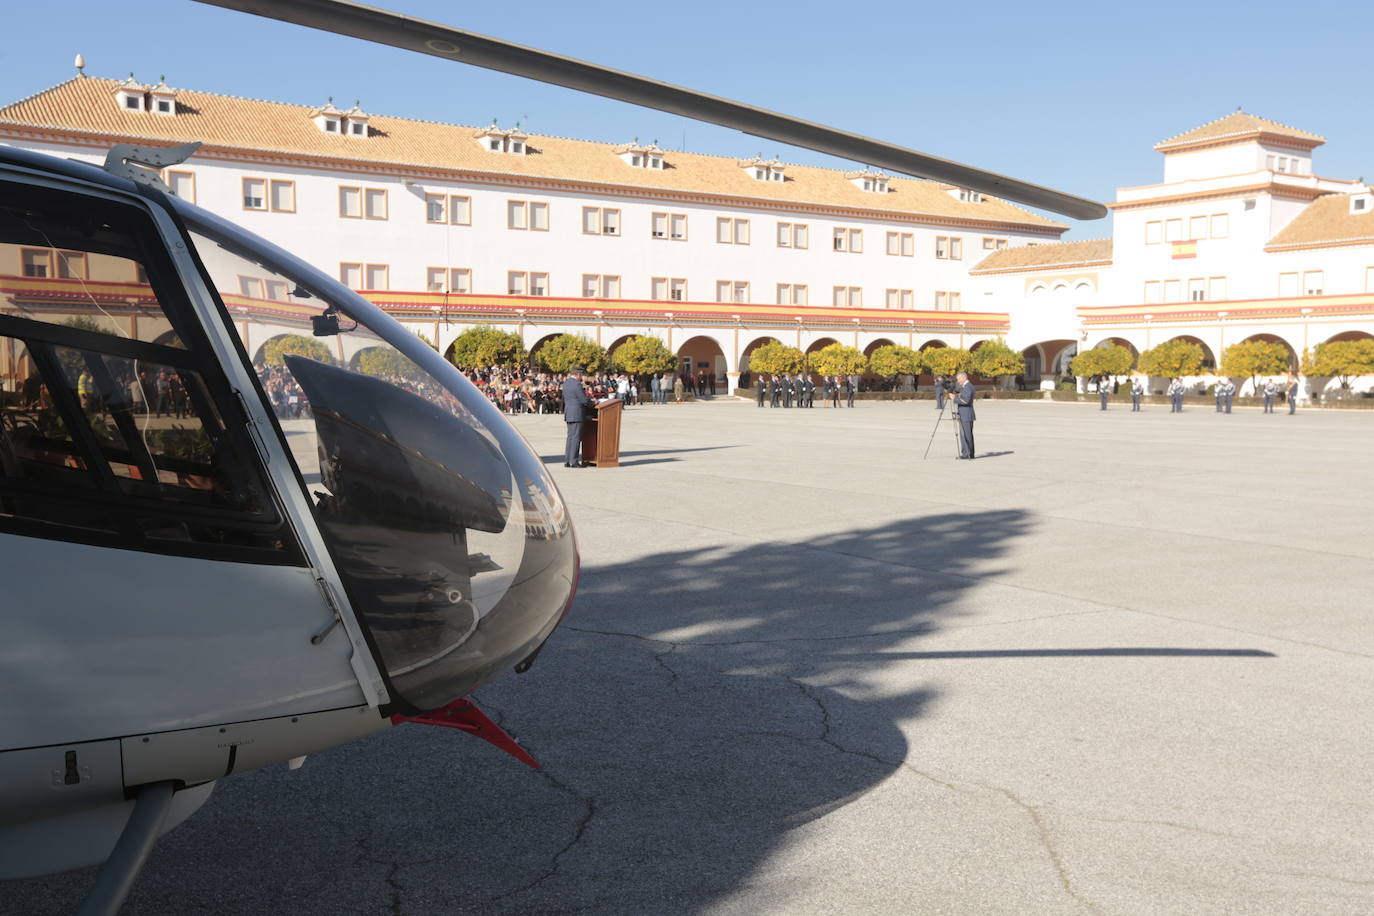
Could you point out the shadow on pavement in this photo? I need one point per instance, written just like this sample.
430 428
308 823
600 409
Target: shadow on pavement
697 706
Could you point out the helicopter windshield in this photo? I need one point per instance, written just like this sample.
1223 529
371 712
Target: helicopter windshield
449 535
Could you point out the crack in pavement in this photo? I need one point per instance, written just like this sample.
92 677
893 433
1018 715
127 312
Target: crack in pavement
1320 877
1148 823
1046 841
579 831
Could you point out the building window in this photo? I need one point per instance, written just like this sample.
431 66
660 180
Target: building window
600 221
1197 290
37 262
448 280
1154 232
71 265
792 294
669 288
374 203
732 291
992 244
851 240
1313 282
1152 291
1288 284
527 283
524 214
1197 227
970 197
669 226
1221 225
1173 290
600 286
351 202
949 248
793 235
183 185
900 298
1173 230
133 102
254 194
941 301
847 297
732 231
1216 289
901 244
453 209
376 276
251 287
282 196
351 275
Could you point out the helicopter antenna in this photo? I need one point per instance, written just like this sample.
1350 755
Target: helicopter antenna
437 40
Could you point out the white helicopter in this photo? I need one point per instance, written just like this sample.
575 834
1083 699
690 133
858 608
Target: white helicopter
212 566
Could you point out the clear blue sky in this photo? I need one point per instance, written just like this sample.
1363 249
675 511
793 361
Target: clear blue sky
1069 95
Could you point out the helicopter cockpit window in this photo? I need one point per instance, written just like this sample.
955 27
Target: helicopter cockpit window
434 531
109 425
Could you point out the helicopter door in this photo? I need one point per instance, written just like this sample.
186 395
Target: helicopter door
140 542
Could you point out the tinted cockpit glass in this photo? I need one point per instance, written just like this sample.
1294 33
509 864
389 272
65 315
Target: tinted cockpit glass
451 539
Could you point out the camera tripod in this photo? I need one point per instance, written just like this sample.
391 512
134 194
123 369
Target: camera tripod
958 443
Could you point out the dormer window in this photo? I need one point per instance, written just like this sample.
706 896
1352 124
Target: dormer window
638 156
162 98
1362 203
328 118
869 180
131 95
969 196
496 140
354 122
764 170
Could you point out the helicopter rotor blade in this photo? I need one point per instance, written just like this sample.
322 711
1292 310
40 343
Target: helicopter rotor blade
432 38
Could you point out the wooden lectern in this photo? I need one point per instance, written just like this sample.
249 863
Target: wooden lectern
601 436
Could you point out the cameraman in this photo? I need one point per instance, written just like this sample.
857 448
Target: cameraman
963 404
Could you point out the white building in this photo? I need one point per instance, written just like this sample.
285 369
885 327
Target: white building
447 226
1241 240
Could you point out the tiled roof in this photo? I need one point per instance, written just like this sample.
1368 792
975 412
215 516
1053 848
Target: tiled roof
1237 125
228 123
1089 252
1327 221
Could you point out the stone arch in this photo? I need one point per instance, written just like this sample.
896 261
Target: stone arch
703 357
617 343
1209 359
880 342
820 343
1349 335
534 347
1124 344
329 343
170 339
1046 360
744 359
1274 338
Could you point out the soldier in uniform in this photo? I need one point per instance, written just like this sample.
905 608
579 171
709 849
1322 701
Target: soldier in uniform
760 385
774 392
1176 396
1270 389
1229 394
1221 395
808 387
963 406
1104 388
1292 394
786 391
1137 389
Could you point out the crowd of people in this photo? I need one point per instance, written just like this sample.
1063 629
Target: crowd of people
1224 391
516 390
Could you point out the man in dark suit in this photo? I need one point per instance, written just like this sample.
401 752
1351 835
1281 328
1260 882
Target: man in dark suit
760 386
774 392
808 391
577 408
939 392
963 405
786 391
851 386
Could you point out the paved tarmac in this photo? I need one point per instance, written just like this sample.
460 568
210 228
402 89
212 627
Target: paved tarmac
1122 663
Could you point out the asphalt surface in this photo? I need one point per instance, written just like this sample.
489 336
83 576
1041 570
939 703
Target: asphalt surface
1122 663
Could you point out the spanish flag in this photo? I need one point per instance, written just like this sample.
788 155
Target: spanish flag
1186 249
